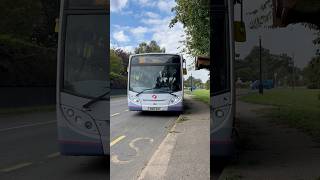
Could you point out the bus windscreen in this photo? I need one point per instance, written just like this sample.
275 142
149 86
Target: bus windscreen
155 73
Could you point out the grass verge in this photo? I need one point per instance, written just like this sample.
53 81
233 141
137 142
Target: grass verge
299 108
202 95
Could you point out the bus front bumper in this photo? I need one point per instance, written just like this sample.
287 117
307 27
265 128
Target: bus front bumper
175 107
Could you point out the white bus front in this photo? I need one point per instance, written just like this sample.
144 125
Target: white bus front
155 82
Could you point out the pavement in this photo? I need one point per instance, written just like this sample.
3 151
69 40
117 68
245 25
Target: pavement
185 151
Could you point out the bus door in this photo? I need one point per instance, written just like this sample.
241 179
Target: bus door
222 91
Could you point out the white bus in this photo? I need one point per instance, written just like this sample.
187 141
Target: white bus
155 82
225 31
82 78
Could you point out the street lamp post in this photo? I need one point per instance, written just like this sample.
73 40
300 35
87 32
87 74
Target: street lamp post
260 59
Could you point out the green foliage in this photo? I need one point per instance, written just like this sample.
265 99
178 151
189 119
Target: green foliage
207 85
312 73
24 64
152 47
124 59
248 69
195 82
115 63
194 15
32 21
118 81
202 95
118 68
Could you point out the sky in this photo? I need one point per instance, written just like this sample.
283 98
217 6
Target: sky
136 21
295 40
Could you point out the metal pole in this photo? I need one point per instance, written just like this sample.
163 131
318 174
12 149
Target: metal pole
260 58
191 83
293 72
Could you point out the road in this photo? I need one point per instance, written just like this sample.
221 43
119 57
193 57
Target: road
134 138
29 151
29 148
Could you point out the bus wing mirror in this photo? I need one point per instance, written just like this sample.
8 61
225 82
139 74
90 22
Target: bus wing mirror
56 28
240 31
185 71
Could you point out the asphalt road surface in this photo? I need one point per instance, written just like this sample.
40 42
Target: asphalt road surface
28 150
29 146
134 138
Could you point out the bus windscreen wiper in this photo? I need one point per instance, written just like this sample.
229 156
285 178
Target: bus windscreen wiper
144 91
170 92
94 100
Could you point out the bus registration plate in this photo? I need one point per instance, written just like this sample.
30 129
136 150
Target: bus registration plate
154 108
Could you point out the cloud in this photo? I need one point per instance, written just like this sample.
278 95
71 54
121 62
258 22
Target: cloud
170 38
166 5
117 5
145 3
139 31
151 14
120 36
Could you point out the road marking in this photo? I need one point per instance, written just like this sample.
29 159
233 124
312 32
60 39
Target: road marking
115 114
117 140
15 167
27 125
53 155
115 159
127 110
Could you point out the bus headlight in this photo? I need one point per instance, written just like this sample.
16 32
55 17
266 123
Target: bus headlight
135 99
70 112
174 100
219 113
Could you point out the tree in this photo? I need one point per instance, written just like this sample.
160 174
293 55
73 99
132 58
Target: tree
312 73
207 84
115 63
273 65
195 82
124 59
194 15
30 20
152 47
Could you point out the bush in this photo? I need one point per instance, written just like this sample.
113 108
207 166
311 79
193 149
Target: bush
25 64
118 81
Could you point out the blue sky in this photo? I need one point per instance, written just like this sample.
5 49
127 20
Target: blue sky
136 21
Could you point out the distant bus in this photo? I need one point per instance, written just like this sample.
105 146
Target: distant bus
82 78
155 82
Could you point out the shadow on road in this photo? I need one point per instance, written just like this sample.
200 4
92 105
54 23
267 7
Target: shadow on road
96 166
216 167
